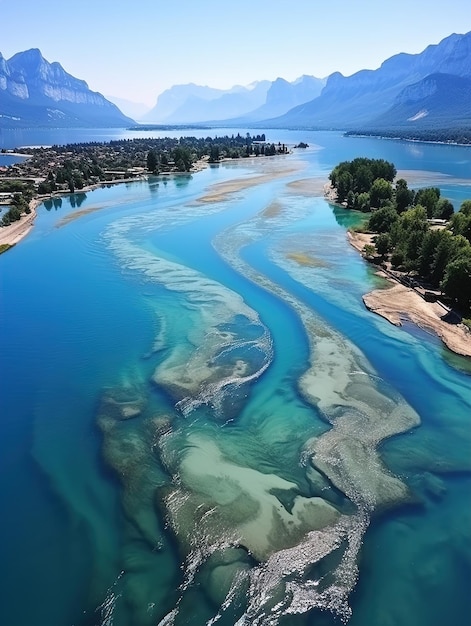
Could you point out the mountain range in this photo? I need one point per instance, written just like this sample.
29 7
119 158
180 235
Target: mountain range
194 103
34 92
408 90
429 90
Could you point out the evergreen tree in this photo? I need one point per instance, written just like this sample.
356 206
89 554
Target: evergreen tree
152 161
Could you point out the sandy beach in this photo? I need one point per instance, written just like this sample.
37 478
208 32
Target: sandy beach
359 240
15 232
399 303
12 234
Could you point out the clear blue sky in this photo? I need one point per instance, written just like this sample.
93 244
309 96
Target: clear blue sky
136 49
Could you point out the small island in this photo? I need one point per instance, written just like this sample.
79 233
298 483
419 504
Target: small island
418 242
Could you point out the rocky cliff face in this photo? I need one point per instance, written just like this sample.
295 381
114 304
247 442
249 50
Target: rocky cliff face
10 84
437 101
418 91
354 101
34 91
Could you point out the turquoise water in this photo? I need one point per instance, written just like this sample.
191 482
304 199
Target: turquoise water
197 429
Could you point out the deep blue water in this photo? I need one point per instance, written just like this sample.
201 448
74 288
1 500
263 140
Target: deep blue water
122 521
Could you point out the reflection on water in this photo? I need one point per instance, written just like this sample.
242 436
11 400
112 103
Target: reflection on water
265 452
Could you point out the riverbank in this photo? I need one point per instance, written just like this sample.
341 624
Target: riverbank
16 231
399 303
396 304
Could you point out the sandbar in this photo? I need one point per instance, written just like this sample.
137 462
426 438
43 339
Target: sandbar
305 259
271 171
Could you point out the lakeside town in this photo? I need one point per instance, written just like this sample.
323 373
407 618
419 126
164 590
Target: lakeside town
57 170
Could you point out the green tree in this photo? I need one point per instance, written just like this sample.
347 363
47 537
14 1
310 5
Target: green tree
449 248
397 258
407 234
61 176
428 198
363 179
51 181
214 154
344 185
460 224
413 248
362 202
44 187
382 244
456 283
444 209
183 159
19 202
78 180
368 250
152 161
465 208
383 169
351 199
381 191
381 221
429 245
403 195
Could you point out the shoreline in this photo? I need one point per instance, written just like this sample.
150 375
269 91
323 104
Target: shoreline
411 139
13 233
398 303
395 304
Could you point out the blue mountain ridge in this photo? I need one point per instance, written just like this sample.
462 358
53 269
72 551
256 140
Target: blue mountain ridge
361 100
425 90
195 103
436 101
34 92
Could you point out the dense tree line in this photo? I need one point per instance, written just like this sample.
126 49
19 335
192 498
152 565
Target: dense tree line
363 183
70 167
440 255
367 184
441 135
190 149
407 235
73 165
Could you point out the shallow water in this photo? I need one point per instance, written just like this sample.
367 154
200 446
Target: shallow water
197 428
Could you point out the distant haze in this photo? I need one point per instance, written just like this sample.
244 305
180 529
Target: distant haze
135 50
